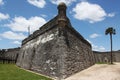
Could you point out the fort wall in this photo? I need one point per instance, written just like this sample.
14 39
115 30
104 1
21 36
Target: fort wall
9 55
105 56
56 49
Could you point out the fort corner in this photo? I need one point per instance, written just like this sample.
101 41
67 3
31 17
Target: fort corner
56 49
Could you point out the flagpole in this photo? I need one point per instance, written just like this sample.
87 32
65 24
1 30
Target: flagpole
28 30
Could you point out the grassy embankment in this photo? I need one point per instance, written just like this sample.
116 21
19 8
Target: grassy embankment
12 72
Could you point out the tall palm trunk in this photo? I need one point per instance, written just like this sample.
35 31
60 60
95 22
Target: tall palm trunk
110 31
111 49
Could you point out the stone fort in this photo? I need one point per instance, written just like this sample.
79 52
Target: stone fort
56 49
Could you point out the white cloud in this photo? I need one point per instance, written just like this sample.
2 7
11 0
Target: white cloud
1 2
67 2
111 14
21 24
89 12
83 0
37 3
17 42
94 35
4 16
43 15
96 48
13 36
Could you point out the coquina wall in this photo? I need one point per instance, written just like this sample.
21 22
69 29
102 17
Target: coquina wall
9 55
56 55
117 56
105 56
56 49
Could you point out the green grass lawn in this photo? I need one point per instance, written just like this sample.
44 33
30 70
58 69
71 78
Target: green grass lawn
12 72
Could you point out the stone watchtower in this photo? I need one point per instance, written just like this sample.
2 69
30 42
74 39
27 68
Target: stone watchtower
56 49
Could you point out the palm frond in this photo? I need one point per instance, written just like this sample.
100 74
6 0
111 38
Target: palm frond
110 31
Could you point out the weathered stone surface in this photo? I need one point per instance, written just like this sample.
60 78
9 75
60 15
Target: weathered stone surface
56 56
105 56
9 55
117 56
56 49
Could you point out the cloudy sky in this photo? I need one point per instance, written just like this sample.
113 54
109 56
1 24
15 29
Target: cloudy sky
89 17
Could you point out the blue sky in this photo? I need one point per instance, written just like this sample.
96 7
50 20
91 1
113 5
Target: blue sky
89 17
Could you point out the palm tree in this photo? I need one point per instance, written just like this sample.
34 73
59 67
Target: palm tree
110 31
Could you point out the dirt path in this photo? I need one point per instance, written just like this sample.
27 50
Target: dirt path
99 72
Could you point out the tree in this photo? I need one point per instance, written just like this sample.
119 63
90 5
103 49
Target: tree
111 32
